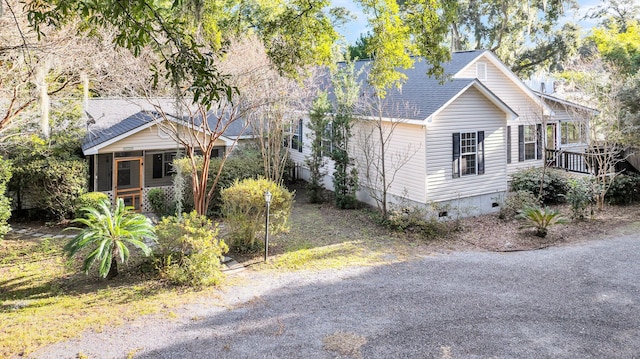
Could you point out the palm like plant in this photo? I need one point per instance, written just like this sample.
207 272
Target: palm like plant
541 218
110 231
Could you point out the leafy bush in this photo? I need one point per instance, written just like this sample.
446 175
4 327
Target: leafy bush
624 190
244 208
243 165
515 202
554 187
54 185
89 199
160 204
5 202
189 250
541 219
579 196
413 220
48 175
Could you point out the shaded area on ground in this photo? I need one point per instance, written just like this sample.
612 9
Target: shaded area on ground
575 301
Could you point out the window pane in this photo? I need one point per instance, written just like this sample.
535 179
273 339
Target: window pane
529 151
529 133
468 148
157 166
468 164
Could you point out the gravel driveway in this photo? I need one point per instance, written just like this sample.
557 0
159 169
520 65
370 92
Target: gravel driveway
578 301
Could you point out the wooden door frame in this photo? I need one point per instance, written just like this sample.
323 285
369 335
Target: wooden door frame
136 192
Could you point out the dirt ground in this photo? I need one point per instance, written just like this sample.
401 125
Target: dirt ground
485 233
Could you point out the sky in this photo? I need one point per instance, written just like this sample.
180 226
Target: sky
353 29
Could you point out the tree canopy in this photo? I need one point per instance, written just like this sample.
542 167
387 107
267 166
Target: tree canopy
523 34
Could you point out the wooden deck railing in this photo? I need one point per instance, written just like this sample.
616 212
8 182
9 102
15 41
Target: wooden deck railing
570 161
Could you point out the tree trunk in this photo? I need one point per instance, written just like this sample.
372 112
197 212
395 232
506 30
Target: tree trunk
113 271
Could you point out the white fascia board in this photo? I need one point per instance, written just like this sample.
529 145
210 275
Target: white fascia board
515 79
95 149
568 103
392 119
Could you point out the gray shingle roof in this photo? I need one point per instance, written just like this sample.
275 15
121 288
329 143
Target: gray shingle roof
108 122
460 60
97 135
420 95
419 98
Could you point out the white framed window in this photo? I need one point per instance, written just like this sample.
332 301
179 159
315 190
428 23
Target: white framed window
530 139
162 164
481 71
468 153
572 133
296 138
327 141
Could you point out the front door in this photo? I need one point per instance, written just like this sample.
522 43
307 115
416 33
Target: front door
128 181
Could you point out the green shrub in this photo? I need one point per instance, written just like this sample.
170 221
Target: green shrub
554 187
624 190
413 220
160 204
5 202
89 199
515 202
244 208
579 196
53 185
541 219
189 250
49 174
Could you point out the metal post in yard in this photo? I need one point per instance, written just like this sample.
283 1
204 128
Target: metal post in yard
267 199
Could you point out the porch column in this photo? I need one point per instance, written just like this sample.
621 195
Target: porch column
94 175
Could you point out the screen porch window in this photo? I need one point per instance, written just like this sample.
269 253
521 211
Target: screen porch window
163 164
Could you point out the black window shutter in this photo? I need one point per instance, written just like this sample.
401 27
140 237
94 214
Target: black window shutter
480 152
157 165
455 169
508 144
300 135
520 143
539 141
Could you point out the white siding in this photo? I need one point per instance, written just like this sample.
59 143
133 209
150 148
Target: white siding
470 112
147 139
299 158
405 159
529 112
405 156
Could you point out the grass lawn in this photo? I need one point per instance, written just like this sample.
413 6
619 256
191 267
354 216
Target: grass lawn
43 298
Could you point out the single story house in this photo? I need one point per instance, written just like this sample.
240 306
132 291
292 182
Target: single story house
455 144
129 151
